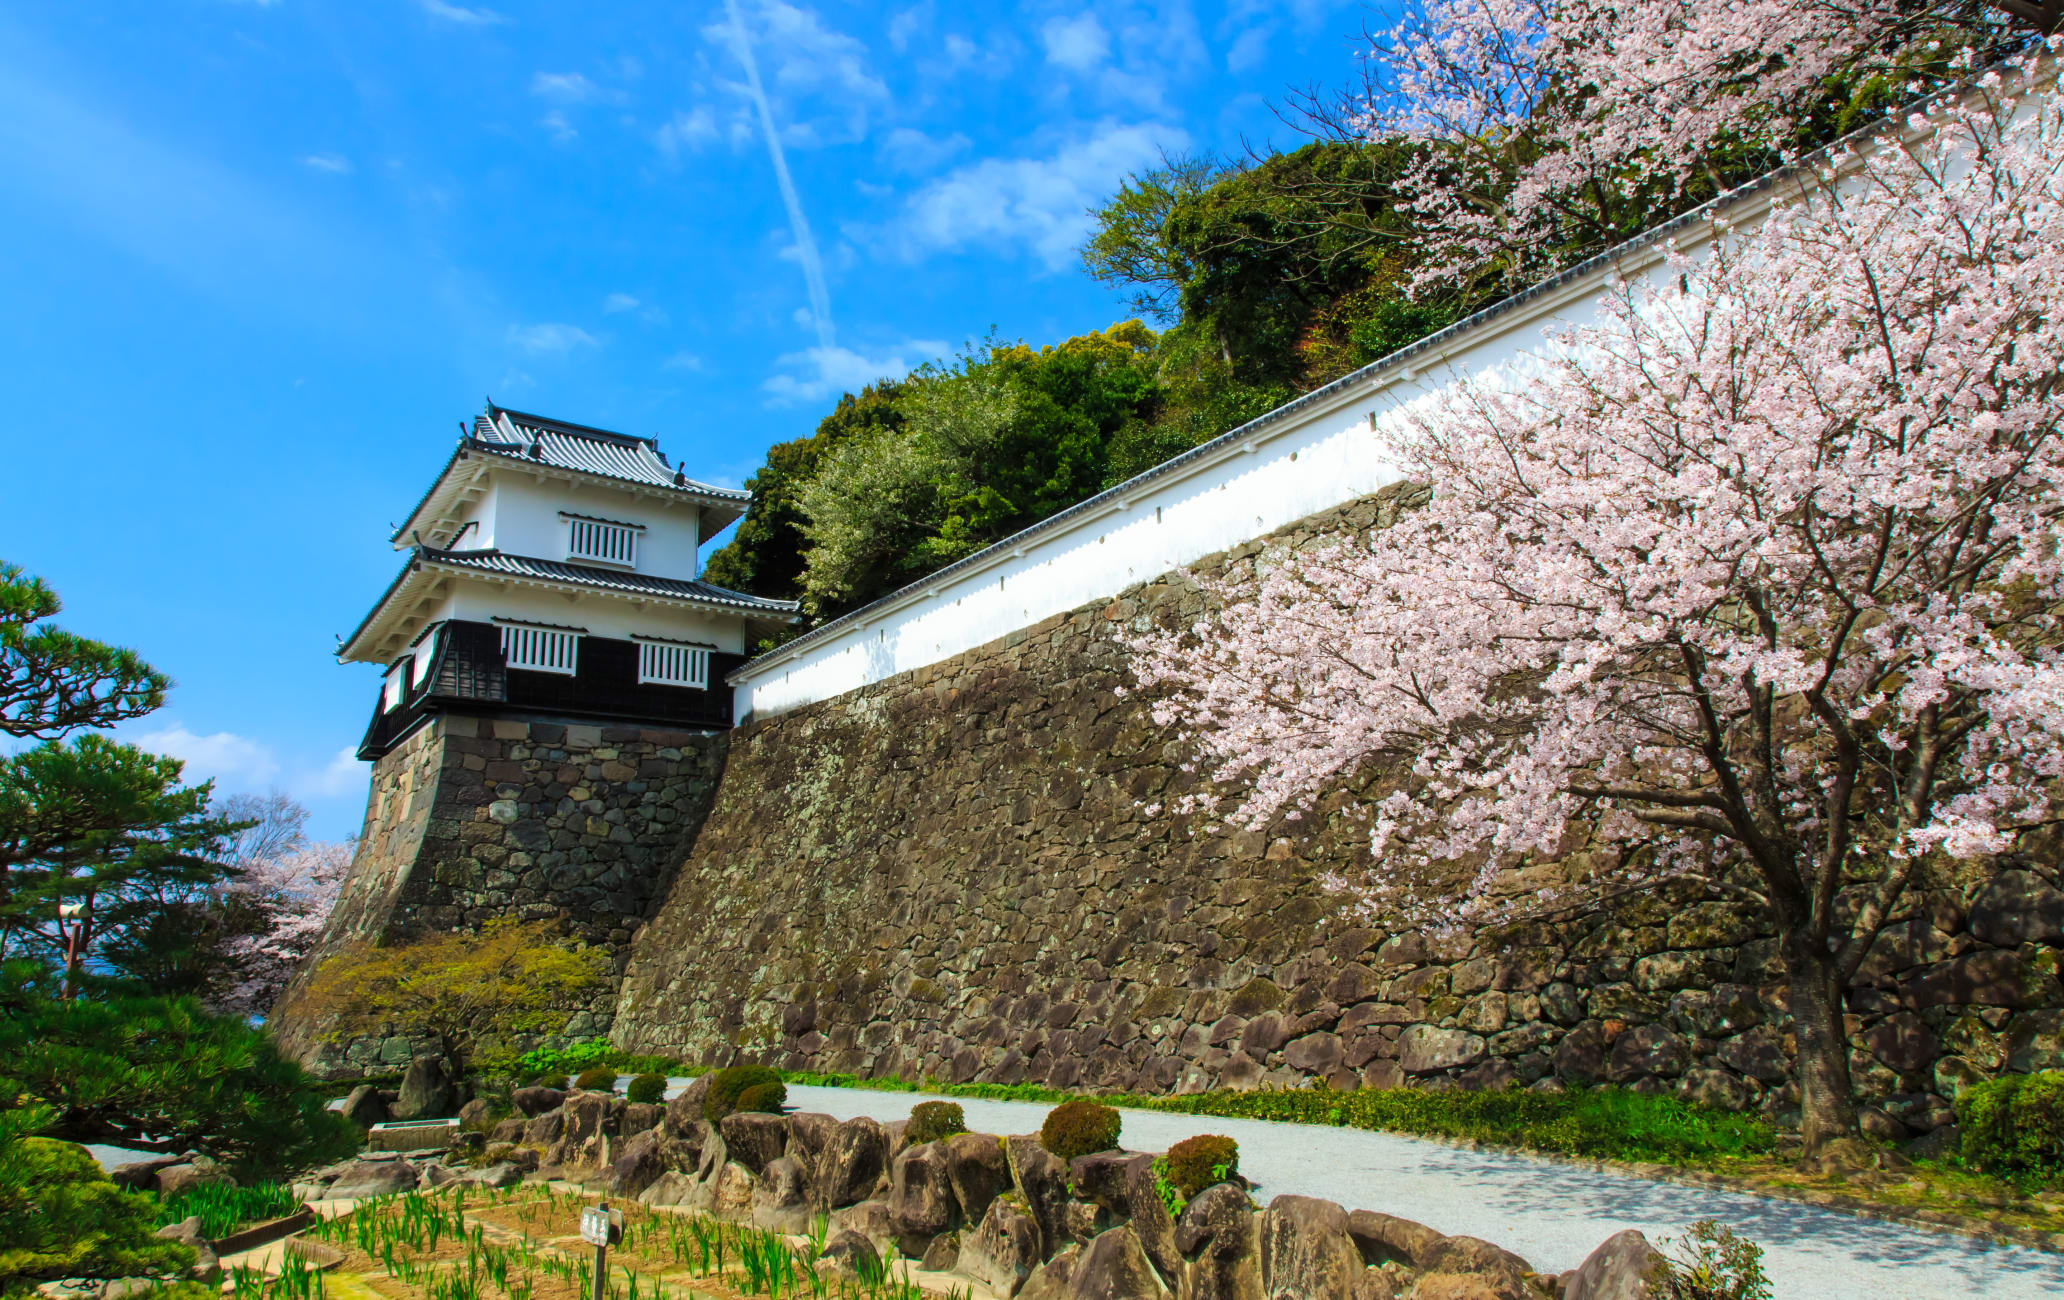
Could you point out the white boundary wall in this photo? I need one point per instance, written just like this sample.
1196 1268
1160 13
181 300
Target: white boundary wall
1308 456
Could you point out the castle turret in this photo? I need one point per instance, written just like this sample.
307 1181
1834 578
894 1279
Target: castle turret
553 574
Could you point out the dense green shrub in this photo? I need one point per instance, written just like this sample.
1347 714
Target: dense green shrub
556 1081
602 1078
1078 1128
61 1217
932 1120
728 1087
762 1099
2014 1124
164 1074
647 1088
1196 1163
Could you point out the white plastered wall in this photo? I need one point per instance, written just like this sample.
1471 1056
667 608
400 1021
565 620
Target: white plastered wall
520 515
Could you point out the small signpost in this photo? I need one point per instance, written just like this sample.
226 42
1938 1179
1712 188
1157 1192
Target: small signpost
601 1227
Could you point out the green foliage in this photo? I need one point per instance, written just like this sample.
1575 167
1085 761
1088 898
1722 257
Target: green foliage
503 979
932 1120
53 682
223 1209
575 1057
163 1074
2014 1125
1712 1263
93 833
549 1080
728 1086
600 1078
61 1217
765 1098
1078 1128
647 1088
1196 1163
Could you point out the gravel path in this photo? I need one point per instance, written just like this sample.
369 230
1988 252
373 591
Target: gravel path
1551 1213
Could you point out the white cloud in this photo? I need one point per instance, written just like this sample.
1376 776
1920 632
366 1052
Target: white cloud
561 129
461 15
1248 49
817 373
617 302
233 762
910 150
334 163
1077 44
343 774
822 80
908 23
550 337
682 361
565 87
1041 203
689 130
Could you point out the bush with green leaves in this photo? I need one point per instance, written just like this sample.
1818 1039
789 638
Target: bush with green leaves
602 1078
1079 1128
165 1075
2014 1125
932 1120
647 1088
61 1217
548 1080
729 1086
1711 1262
1196 1163
762 1099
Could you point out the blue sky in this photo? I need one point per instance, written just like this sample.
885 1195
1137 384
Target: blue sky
260 257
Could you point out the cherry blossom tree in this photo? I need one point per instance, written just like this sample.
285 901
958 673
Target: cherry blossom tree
1756 581
288 896
1550 128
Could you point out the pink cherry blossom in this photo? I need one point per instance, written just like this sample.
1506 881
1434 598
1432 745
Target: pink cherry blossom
1756 581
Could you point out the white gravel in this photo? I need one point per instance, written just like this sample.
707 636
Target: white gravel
1551 1213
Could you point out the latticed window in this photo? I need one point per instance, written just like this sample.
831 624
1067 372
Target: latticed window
540 649
597 539
668 663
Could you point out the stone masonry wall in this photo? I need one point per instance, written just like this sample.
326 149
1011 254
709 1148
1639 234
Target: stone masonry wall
951 874
476 819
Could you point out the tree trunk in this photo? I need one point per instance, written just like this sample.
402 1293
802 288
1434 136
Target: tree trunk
1826 1110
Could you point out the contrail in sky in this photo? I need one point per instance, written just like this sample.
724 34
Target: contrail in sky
806 245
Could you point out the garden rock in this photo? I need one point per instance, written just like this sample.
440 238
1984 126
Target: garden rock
196 1172
1220 1234
1306 1251
1043 1181
426 1091
943 1255
871 1219
140 1175
671 1188
1003 1251
731 1195
498 1176
1115 1267
545 1129
1123 1183
808 1137
755 1140
1461 1286
534 1102
780 1202
1617 1270
851 1164
589 1122
851 1254
1383 1238
1502 1273
684 1112
1052 1280
1424 1049
921 1202
509 1130
473 1115
639 1116
978 1170
206 1267
636 1167
366 1106
362 1178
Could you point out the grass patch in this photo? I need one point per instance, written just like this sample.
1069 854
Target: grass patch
225 1209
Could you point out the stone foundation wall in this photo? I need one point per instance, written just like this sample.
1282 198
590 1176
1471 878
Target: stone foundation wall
476 819
952 873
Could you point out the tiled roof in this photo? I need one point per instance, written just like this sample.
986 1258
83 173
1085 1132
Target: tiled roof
637 584
564 445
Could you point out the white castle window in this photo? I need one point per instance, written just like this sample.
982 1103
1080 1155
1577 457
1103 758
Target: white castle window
604 540
541 649
669 663
390 691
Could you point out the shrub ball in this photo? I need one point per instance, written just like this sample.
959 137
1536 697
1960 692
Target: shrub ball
762 1099
2014 1124
932 1120
599 1079
730 1084
1079 1128
556 1082
1206 1160
646 1088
